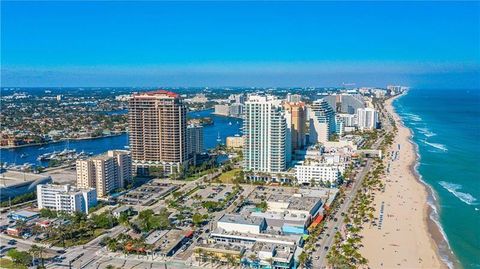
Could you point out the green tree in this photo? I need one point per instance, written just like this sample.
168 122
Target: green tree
20 257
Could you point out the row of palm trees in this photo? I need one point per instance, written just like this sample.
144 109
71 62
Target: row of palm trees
225 259
345 250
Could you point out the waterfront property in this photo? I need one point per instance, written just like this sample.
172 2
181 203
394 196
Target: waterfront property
157 125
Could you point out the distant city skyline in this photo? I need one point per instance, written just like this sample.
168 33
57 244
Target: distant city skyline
266 44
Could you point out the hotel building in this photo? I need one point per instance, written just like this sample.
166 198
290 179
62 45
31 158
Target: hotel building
105 172
158 126
322 122
367 118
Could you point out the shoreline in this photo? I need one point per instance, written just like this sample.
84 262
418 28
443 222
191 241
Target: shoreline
63 140
405 236
435 229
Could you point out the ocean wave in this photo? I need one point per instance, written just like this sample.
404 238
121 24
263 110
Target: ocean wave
426 132
436 145
446 253
413 117
454 189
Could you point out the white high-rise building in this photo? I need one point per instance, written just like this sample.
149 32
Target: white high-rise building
367 118
65 198
267 144
322 122
105 172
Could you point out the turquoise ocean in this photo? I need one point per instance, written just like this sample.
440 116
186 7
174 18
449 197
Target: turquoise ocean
446 130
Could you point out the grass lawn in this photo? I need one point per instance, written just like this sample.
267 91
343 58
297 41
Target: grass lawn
8 264
228 176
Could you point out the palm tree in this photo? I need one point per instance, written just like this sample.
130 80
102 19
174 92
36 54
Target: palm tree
41 251
33 251
199 253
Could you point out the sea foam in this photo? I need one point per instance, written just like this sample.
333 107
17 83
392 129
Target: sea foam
436 145
454 189
413 117
426 132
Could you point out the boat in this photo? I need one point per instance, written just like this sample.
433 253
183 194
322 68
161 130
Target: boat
24 155
218 137
230 123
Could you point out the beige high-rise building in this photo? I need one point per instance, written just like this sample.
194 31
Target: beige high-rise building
105 172
157 125
298 120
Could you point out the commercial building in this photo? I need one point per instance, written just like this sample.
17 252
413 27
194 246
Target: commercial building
234 142
106 172
298 118
367 118
157 124
241 224
194 139
309 171
65 198
23 215
267 142
322 122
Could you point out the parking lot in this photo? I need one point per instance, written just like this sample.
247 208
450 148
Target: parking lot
148 193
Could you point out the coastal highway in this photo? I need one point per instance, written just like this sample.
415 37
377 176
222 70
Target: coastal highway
332 226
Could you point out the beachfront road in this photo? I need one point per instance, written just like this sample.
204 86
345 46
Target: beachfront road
331 227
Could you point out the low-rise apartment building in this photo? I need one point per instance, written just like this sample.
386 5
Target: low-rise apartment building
65 198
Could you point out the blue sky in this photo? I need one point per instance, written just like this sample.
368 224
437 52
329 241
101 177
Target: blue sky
422 44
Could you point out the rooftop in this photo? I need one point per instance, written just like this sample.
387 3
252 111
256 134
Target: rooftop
241 219
295 202
25 213
158 92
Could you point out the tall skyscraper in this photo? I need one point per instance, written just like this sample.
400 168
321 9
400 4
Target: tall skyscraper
157 124
105 172
367 118
194 139
267 147
298 113
322 122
